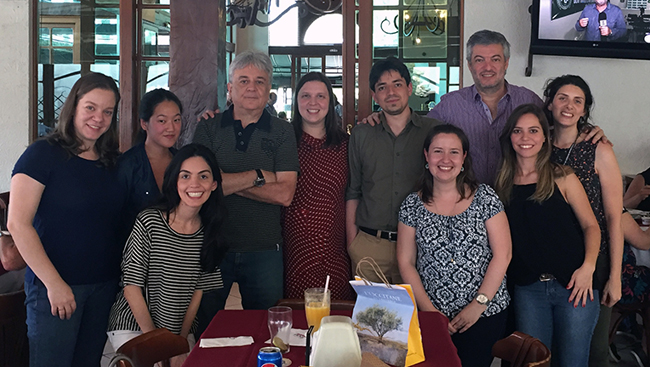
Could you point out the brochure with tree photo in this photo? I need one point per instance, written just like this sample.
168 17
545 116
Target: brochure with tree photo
383 317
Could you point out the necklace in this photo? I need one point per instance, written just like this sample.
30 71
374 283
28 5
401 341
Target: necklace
571 149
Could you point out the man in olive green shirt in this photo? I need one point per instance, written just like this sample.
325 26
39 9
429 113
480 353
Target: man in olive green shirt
386 161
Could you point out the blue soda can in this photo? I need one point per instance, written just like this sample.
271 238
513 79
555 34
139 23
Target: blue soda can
269 357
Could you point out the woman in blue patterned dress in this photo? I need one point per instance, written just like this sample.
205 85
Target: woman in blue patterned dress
453 247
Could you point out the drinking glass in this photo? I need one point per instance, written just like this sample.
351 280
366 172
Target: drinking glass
280 322
317 306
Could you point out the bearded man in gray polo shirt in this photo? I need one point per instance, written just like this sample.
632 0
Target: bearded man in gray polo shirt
386 160
258 157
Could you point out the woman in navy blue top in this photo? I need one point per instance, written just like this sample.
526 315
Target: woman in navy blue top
65 208
141 168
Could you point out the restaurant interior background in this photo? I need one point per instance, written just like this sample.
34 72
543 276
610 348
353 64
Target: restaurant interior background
35 33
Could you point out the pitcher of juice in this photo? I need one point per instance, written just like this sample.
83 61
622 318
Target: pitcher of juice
317 305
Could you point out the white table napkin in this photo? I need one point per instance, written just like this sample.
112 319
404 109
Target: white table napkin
226 342
298 338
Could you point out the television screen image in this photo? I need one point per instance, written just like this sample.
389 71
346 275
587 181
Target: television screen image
602 28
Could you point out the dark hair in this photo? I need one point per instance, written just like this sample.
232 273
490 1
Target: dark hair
212 212
148 105
464 179
64 134
551 88
152 99
390 63
547 171
334 134
487 37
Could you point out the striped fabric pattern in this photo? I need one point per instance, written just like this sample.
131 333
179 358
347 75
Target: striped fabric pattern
166 265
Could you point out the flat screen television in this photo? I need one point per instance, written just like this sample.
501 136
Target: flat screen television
579 28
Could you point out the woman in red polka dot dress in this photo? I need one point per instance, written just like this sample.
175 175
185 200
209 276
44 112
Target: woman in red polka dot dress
314 223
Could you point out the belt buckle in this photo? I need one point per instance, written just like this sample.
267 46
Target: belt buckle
546 277
392 236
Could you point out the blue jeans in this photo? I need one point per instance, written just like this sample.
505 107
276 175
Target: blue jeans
543 311
78 341
260 278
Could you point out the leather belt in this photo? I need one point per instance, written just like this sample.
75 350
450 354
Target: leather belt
546 277
387 235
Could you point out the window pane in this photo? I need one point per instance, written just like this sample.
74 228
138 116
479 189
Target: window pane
62 37
154 2
326 30
155 32
284 32
43 36
385 33
385 2
62 56
107 2
107 25
154 75
43 55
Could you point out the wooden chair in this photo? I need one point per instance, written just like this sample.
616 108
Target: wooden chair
152 347
620 311
299 304
13 330
522 350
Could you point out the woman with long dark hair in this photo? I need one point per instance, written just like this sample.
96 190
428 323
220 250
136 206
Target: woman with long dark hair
453 247
64 217
555 239
141 168
568 101
173 252
314 223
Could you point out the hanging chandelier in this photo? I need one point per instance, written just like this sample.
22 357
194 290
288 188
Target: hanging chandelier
419 15
243 13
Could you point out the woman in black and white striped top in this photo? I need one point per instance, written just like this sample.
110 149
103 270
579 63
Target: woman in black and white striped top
173 252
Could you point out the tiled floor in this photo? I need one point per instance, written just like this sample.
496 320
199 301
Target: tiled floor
232 303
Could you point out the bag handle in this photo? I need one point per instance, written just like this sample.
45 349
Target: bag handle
373 264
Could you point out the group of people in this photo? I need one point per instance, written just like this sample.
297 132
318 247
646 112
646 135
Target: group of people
494 181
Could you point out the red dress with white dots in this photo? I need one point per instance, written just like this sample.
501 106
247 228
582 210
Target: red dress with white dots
314 223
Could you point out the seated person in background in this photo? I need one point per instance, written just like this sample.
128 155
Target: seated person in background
635 278
173 252
601 21
453 247
636 196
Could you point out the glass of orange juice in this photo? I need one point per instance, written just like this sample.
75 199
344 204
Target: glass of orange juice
317 305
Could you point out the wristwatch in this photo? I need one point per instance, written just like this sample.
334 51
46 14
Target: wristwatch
259 181
482 299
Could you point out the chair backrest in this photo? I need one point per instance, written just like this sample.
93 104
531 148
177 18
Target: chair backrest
13 331
522 350
299 304
154 346
4 202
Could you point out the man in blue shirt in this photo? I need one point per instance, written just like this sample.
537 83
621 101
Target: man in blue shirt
613 27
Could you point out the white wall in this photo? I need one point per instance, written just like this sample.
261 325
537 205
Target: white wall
620 87
15 28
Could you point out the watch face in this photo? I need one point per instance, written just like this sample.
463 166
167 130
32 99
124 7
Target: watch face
482 299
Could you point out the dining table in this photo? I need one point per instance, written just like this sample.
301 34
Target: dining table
439 351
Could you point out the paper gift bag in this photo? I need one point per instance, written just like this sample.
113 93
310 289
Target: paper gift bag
386 319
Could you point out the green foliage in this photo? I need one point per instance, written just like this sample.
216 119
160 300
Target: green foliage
380 319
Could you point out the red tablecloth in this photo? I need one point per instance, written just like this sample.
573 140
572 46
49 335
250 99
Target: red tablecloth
439 351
